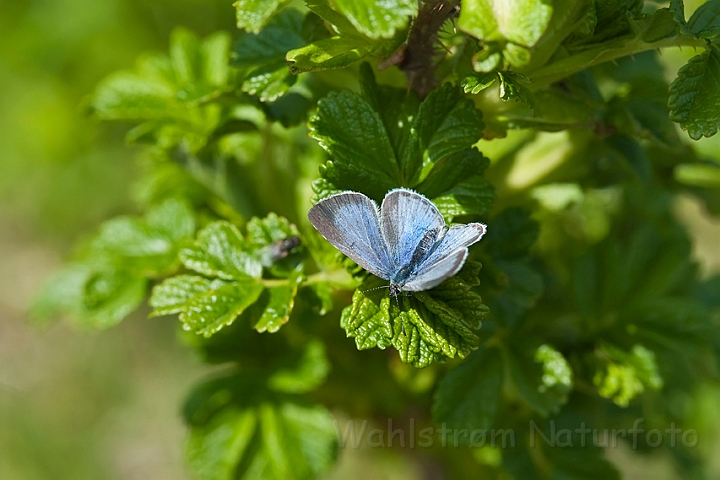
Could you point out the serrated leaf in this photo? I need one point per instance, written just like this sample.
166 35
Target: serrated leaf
519 21
340 24
446 123
705 22
264 231
428 326
412 138
111 295
252 15
457 186
211 310
172 295
518 24
541 374
147 246
62 293
397 109
626 374
268 76
512 284
276 304
695 93
477 82
520 285
220 251
512 89
513 233
468 396
318 295
354 136
235 437
377 19
309 373
334 52
170 94
214 449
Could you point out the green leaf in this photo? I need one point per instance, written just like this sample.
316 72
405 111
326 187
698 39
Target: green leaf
541 374
211 310
215 448
318 295
205 305
354 136
518 24
468 396
238 436
695 93
268 76
377 19
477 82
511 283
511 88
171 94
172 295
252 15
340 24
62 293
307 375
428 326
698 174
705 22
575 456
457 186
446 123
276 304
220 251
111 295
624 375
147 246
519 21
335 52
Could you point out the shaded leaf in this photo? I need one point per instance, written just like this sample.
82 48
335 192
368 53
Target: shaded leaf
695 93
252 15
468 396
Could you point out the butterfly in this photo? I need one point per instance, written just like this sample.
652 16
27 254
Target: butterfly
404 241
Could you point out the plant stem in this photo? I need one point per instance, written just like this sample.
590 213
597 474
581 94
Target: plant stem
556 71
418 60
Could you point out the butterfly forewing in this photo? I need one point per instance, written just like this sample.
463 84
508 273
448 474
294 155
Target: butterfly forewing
350 221
405 219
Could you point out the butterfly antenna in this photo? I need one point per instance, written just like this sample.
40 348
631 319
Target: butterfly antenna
376 288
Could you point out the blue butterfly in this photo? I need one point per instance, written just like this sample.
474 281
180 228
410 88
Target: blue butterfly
406 241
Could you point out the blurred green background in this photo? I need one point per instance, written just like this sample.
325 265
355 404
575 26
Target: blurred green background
104 405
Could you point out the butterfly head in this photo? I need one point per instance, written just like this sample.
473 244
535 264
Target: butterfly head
395 289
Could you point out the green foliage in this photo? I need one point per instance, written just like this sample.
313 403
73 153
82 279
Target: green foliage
581 306
423 328
234 266
109 279
694 94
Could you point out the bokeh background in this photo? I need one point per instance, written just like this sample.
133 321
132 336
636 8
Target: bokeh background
95 405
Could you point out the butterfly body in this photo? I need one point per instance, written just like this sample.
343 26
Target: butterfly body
405 241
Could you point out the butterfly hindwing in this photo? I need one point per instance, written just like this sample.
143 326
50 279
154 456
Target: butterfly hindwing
435 274
406 219
446 259
351 222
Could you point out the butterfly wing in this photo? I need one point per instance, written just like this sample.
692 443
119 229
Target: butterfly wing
446 259
405 219
351 222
